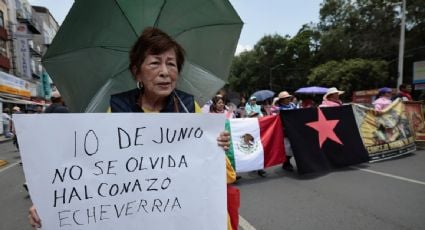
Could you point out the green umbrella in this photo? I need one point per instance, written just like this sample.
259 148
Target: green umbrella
88 58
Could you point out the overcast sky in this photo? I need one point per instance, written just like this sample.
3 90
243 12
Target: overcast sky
261 17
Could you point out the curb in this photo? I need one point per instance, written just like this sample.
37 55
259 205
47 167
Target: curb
2 163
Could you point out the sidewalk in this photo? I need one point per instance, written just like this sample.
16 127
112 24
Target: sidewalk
3 139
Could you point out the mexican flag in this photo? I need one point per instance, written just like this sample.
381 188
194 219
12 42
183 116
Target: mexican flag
256 143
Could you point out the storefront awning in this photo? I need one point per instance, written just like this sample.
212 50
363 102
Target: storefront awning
13 100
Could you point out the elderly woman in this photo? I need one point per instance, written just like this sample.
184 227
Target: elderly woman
155 62
331 98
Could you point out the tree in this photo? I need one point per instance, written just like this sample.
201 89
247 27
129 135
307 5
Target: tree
291 59
364 30
370 29
351 75
243 78
358 29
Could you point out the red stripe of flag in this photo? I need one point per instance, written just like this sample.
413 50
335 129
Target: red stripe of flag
271 133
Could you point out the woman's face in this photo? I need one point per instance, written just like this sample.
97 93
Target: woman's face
220 105
333 97
285 101
159 73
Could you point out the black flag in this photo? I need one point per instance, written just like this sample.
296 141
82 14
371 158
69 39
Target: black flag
324 138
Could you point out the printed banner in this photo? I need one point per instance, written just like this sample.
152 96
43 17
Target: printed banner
22 50
386 134
125 171
415 115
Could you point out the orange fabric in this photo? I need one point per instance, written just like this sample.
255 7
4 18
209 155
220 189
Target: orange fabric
233 198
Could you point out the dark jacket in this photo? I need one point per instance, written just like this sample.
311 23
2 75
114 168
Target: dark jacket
56 108
126 102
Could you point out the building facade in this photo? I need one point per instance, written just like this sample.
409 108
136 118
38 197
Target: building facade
5 55
25 34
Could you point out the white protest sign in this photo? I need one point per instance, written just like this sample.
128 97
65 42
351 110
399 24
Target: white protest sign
125 171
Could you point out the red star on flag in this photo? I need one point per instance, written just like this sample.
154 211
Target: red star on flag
325 128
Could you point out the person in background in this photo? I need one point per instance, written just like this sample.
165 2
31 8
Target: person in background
155 63
39 109
7 123
404 93
275 108
331 98
252 109
218 106
295 101
57 106
15 110
241 108
307 103
384 99
266 107
232 108
284 103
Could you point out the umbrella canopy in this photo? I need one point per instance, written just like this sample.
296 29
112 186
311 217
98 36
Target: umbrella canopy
312 90
88 58
263 94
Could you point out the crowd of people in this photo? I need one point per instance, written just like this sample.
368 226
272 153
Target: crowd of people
285 101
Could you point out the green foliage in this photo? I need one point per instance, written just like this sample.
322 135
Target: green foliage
287 59
351 75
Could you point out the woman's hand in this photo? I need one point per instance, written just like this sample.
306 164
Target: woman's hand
33 218
224 140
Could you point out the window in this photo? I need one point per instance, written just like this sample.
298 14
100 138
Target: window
1 19
3 48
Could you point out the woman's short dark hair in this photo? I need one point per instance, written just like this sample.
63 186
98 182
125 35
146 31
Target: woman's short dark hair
153 41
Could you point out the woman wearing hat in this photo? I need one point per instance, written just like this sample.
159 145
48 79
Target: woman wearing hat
284 103
384 98
331 98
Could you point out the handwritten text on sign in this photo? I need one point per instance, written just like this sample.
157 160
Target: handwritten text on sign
125 171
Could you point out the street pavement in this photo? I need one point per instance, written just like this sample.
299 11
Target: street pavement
385 195
14 199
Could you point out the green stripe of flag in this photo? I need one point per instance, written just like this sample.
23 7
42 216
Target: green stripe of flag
230 153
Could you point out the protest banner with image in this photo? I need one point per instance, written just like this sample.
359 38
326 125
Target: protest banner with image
386 134
125 171
415 115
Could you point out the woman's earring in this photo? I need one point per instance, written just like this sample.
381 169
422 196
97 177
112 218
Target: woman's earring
139 85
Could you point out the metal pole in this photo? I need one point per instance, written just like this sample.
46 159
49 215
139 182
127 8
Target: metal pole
271 76
401 48
270 79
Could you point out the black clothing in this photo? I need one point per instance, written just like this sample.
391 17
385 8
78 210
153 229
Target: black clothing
56 108
126 102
